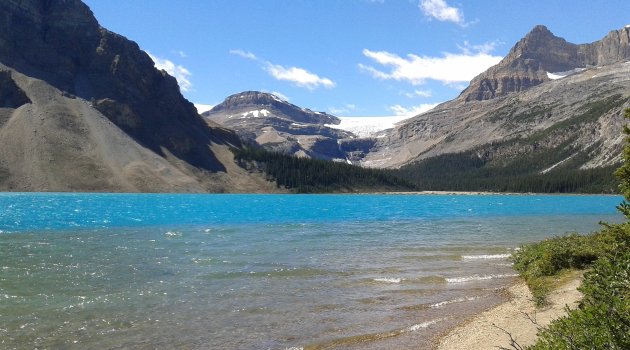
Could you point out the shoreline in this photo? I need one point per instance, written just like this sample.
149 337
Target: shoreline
481 331
482 193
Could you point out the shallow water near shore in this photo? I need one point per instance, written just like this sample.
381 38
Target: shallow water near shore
263 271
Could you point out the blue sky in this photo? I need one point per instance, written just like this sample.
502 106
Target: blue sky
345 57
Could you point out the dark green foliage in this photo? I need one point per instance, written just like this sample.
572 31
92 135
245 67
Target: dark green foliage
548 257
537 261
623 173
602 320
469 172
304 175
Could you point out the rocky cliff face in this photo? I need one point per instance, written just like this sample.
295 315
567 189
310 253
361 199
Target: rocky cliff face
539 53
278 125
60 43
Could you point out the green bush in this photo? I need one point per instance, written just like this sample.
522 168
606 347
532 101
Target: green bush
537 261
603 319
548 257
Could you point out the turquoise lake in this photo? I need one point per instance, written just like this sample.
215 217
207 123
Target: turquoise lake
111 271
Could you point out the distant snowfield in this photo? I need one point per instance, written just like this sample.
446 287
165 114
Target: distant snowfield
367 126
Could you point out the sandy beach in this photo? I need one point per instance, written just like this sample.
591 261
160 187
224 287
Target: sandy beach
483 331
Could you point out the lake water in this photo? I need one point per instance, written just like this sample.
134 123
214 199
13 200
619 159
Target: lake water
263 271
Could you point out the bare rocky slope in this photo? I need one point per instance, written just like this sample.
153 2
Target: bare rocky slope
277 125
515 110
539 53
84 109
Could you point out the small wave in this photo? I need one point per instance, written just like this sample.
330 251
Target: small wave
422 325
485 256
453 301
478 278
432 257
389 280
431 279
173 234
362 339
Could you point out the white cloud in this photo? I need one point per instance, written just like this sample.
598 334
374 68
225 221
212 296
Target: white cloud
347 108
203 107
245 54
441 11
413 110
449 69
418 93
177 71
469 49
298 76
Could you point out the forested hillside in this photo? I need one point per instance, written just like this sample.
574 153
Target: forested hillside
305 175
467 172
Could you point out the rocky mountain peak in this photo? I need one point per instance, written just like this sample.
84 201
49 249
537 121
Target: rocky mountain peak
541 52
257 100
249 98
539 32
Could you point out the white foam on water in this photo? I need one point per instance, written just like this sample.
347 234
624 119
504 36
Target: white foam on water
295 348
173 234
389 280
422 325
485 256
453 301
478 278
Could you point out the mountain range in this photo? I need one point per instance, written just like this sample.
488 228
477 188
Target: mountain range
85 109
546 94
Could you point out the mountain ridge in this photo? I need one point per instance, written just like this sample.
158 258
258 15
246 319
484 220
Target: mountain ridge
541 52
505 125
275 124
57 51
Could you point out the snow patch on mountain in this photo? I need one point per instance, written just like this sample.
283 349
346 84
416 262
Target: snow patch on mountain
367 126
256 113
560 75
